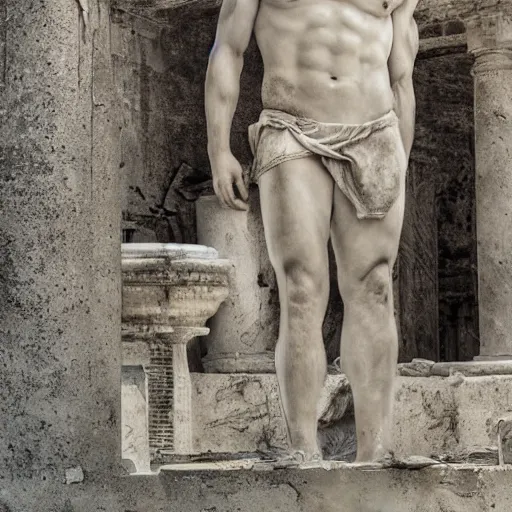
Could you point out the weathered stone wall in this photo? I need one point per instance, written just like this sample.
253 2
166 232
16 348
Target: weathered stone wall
160 76
60 294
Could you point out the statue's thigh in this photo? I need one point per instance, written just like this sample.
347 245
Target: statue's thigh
361 244
296 204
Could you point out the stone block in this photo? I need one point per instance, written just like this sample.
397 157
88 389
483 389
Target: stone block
236 413
433 415
134 418
245 329
340 488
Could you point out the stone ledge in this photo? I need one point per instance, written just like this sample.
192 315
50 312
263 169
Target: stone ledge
442 45
473 368
476 368
455 488
452 488
251 466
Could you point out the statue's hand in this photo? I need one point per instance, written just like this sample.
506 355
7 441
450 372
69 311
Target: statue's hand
227 174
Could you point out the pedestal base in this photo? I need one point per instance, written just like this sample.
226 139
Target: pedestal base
135 433
494 358
474 368
240 363
452 417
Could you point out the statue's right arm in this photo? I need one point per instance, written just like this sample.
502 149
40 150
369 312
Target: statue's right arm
222 87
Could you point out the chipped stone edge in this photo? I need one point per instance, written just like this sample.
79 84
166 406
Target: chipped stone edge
427 368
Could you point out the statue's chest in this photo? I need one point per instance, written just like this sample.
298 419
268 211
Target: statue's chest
378 8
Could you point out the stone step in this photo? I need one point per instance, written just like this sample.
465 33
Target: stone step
212 488
342 487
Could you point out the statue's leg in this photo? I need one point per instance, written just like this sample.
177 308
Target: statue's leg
296 204
366 251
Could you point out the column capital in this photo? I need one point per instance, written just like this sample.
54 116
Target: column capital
489 39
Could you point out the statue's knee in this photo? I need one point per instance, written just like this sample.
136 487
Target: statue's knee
305 284
376 285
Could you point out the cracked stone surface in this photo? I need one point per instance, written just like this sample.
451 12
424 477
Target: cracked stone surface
434 416
59 243
453 488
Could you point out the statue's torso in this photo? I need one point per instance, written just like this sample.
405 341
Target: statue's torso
326 59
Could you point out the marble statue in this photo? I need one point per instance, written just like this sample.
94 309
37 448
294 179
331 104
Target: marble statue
330 156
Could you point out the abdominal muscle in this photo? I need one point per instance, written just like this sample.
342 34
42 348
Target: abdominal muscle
325 60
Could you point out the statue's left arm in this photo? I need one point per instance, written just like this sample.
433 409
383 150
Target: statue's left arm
401 65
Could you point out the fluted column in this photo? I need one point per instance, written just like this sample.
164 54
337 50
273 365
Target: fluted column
490 41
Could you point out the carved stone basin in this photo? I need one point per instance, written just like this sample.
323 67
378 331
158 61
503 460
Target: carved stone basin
170 285
169 291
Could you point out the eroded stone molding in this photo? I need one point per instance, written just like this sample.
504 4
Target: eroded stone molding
489 39
151 6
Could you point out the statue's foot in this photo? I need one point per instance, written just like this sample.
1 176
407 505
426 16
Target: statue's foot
390 461
298 458
415 462
294 459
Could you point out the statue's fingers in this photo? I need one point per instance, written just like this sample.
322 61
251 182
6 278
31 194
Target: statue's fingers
232 200
242 189
223 196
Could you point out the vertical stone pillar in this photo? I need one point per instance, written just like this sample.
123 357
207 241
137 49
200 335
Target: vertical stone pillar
183 411
169 391
490 41
134 407
59 243
244 331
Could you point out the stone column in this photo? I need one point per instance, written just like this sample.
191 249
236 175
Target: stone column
244 331
60 317
183 411
134 412
157 407
490 41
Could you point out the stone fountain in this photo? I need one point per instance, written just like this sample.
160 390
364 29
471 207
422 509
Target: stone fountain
169 292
